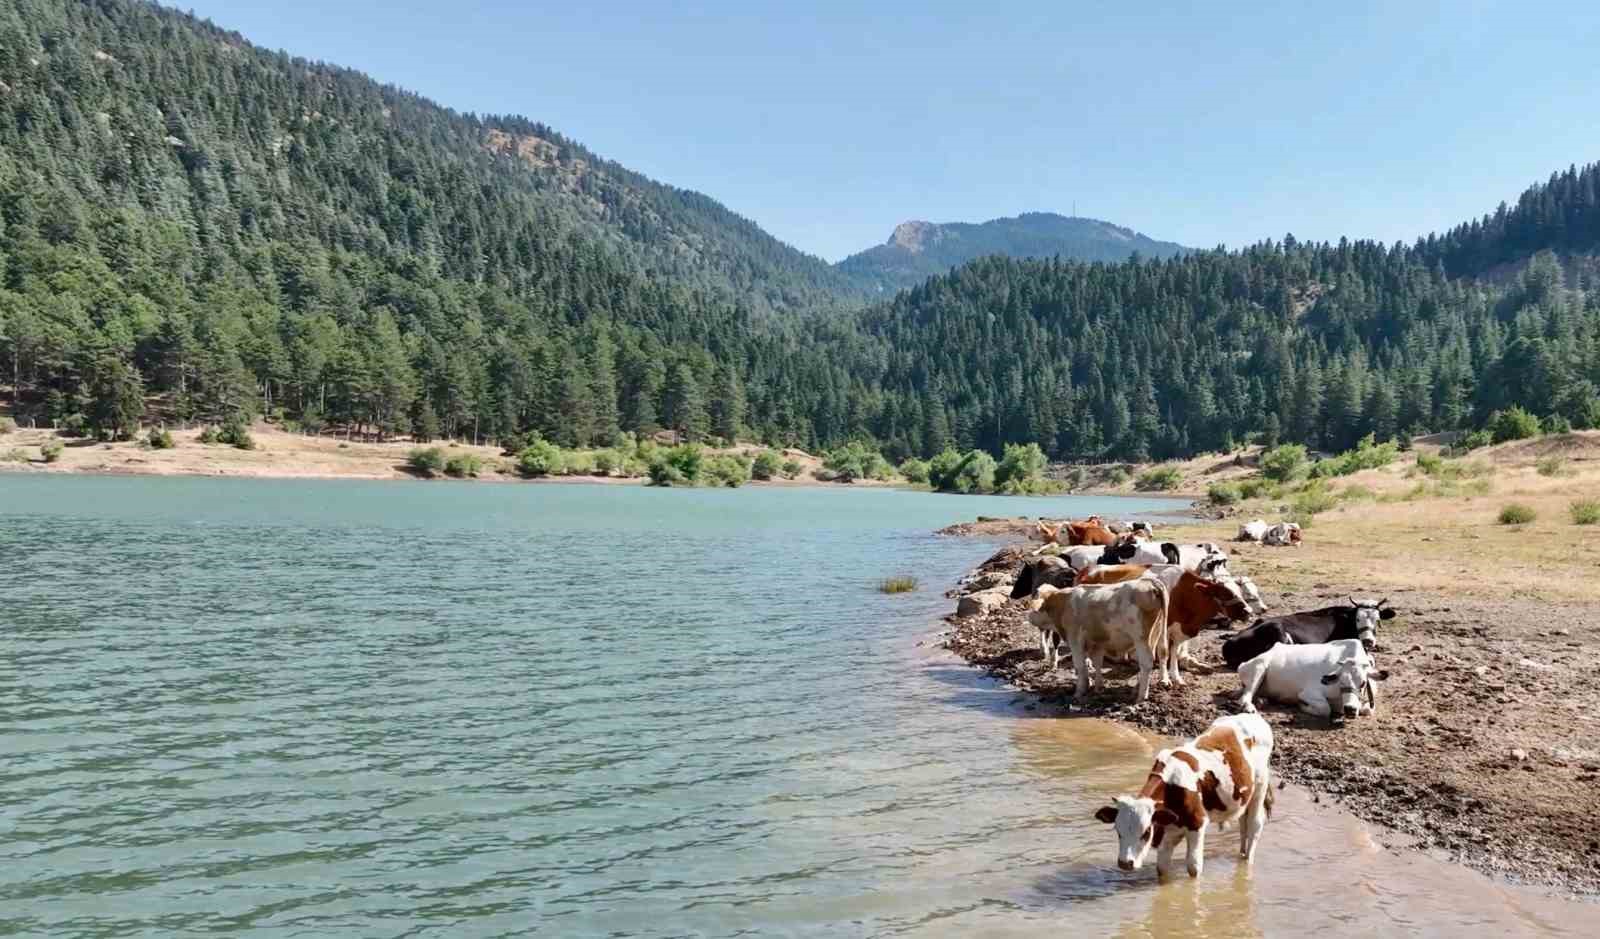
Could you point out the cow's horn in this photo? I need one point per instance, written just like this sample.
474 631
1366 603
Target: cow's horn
1382 603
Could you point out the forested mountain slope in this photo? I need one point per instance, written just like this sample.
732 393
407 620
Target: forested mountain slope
919 250
189 221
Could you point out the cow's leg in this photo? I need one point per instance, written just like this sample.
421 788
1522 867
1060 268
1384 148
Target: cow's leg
1174 648
1255 817
1097 672
1080 663
1195 855
1314 701
1164 852
1252 673
1146 662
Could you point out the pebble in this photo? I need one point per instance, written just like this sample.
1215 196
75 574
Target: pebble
1519 754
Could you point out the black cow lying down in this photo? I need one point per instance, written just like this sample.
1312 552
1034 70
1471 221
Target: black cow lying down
1359 620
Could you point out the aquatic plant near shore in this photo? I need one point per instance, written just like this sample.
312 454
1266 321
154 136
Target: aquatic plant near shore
899 584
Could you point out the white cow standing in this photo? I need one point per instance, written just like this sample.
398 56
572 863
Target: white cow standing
1325 678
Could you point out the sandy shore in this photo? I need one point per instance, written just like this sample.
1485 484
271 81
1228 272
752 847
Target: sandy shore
1487 738
279 455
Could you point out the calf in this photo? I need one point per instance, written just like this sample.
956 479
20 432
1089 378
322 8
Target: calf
1219 776
1101 620
1326 679
1359 620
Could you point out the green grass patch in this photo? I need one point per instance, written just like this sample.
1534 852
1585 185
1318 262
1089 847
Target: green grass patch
1585 511
1223 493
1159 479
1516 513
1553 466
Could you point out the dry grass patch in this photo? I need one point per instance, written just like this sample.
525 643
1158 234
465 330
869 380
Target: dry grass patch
1517 513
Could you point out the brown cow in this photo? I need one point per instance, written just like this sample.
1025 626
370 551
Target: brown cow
1195 602
1089 531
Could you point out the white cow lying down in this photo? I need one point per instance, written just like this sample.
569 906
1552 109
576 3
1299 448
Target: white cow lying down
1325 678
1252 531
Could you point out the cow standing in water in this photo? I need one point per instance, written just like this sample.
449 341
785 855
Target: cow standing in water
1221 776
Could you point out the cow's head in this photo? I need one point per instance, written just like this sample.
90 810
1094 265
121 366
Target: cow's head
1139 826
1343 686
1226 603
1250 594
1049 534
1294 533
1025 581
1368 614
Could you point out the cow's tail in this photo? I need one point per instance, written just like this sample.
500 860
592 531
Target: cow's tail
1158 625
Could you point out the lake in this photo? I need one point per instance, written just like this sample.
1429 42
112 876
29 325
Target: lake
291 707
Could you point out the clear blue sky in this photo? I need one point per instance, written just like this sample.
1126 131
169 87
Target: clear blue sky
829 123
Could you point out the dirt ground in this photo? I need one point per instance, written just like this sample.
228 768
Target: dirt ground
1486 743
280 455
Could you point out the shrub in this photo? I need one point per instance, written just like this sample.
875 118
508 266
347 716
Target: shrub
1553 466
610 462
513 444
679 466
1258 488
1430 464
160 439
16 455
7 425
1283 463
235 433
1117 475
1021 469
1555 424
767 464
901 584
1158 479
857 460
462 465
51 450
74 425
209 435
1472 441
1313 499
577 463
1512 424
726 469
976 472
540 458
426 461
1585 511
915 470
1223 493
791 469
942 470
1515 513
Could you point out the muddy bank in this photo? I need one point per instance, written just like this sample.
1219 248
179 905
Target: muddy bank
1485 747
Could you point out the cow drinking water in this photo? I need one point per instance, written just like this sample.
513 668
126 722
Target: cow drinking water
1221 776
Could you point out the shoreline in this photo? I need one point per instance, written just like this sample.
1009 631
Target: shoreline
1433 771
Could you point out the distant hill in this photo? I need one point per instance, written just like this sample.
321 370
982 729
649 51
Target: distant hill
919 250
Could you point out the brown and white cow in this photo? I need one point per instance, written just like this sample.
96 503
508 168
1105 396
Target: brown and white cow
1101 620
1089 531
1221 776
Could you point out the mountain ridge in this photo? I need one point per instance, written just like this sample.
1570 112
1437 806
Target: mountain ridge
919 249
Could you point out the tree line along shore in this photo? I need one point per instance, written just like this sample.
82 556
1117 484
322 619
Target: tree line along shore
1485 738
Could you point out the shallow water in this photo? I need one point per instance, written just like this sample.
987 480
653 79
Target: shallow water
289 707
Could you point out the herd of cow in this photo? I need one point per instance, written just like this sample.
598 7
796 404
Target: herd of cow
1107 591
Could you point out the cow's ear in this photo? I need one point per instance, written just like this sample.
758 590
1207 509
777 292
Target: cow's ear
1381 674
1164 817
1330 678
1386 614
1107 814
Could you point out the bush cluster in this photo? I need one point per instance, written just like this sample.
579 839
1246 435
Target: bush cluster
1158 479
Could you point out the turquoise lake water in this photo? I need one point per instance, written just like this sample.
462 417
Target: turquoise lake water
299 707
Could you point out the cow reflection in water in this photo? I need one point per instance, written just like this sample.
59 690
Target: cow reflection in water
1222 907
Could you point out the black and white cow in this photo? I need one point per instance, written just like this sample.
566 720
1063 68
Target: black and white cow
1358 620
